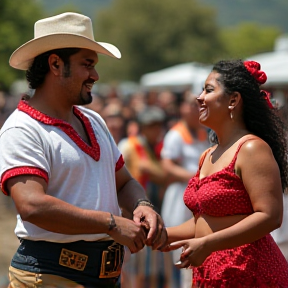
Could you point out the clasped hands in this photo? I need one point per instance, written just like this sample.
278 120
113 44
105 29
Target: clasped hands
153 226
151 231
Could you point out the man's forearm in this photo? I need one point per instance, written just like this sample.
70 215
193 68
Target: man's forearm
57 216
128 196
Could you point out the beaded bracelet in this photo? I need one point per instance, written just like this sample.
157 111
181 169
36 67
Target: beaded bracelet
143 202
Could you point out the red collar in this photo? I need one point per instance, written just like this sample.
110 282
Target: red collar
93 150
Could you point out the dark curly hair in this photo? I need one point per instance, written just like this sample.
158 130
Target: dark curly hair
259 119
36 74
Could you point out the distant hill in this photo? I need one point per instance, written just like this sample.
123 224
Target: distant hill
265 12
229 12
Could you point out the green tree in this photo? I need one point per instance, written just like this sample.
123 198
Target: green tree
17 19
154 34
247 39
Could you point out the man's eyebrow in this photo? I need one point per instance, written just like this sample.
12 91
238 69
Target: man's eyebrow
91 61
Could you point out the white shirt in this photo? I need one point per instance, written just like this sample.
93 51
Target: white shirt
186 154
77 173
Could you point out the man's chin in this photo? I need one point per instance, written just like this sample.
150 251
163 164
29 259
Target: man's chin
87 99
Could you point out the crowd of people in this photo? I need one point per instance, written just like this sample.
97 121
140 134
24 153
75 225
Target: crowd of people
148 185
161 140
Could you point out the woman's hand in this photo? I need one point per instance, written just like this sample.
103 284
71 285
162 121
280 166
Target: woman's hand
194 253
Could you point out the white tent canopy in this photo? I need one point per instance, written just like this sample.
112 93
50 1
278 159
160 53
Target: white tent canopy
180 76
193 74
275 64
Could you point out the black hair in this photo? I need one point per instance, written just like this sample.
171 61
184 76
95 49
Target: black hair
258 117
36 73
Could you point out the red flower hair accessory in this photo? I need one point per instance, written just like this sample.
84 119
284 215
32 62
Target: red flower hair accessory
267 97
254 69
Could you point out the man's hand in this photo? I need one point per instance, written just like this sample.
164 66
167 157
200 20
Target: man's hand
153 225
128 233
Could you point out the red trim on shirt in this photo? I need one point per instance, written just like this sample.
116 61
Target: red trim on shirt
120 163
24 170
92 150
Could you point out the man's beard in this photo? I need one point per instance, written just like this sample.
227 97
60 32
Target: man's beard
87 99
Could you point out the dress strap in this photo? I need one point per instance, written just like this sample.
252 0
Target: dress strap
203 156
242 141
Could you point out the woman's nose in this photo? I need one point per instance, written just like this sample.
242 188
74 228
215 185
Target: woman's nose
199 99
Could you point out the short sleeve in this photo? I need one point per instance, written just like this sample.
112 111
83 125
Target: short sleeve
21 154
172 146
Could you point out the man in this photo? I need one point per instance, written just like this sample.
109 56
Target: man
63 170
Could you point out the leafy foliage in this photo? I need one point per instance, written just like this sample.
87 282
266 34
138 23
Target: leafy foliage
17 19
150 34
263 12
247 39
156 34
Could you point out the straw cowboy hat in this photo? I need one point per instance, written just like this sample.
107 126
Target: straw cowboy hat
67 30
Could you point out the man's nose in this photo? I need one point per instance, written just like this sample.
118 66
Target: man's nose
94 75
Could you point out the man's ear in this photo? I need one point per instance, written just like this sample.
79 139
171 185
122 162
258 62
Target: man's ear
235 98
54 64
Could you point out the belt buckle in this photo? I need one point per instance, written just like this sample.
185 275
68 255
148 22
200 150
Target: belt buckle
73 259
112 260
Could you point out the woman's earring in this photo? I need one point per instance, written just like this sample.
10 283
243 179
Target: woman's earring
231 111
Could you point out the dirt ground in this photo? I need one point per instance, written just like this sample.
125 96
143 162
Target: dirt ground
8 240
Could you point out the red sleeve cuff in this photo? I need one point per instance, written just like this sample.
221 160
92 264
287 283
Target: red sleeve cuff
24 170
120 163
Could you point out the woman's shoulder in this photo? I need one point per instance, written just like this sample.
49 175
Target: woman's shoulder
253 144
254 150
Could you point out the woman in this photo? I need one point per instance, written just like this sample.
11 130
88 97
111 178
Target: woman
236 195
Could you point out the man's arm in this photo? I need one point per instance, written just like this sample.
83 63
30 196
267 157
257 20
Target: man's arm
55 215
129 192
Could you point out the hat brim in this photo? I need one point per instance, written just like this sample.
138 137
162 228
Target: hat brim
23 57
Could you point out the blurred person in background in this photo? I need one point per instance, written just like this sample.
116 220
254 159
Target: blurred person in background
112 115
142 157
151 98
132 107
183 145
169 102
63 170
280 235
137 103
236 195
97 104
142 152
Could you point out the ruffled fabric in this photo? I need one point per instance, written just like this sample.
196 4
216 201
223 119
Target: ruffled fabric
254 69
256 265
220 194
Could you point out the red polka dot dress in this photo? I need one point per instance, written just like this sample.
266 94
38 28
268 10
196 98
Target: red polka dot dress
258 264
